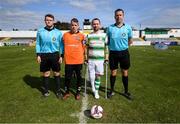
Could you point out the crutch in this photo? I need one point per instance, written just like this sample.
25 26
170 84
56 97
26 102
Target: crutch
85 79
106 64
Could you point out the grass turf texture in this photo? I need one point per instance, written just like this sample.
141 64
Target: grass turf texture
154 82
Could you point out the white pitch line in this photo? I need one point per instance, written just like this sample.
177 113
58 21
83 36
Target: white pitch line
82 117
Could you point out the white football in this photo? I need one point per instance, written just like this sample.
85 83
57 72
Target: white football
97 111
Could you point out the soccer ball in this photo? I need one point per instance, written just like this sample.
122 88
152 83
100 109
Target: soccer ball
96 111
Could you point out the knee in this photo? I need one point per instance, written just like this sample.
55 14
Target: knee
56 73
46 74
125 73
98 77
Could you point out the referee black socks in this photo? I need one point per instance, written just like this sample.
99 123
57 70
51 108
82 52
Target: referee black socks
125 83
57 81
46 84
112 80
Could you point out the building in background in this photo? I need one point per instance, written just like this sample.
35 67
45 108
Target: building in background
146 36
87 26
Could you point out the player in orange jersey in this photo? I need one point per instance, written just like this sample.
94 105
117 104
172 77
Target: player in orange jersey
73 56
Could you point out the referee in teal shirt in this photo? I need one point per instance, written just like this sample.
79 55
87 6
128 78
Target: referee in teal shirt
119 38
48 49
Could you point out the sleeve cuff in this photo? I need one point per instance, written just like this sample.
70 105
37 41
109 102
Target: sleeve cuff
38 54
62 55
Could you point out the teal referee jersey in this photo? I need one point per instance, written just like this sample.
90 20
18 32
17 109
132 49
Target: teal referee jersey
49 41
118 37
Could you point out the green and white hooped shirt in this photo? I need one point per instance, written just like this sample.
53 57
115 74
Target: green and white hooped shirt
97 46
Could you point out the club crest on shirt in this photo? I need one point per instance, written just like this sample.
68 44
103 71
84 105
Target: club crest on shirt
77 38
123 34
53 39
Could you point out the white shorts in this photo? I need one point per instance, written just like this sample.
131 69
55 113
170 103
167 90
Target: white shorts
96 67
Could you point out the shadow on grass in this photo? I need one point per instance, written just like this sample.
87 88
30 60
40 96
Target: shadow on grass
103 89
33 82
87 113
37 83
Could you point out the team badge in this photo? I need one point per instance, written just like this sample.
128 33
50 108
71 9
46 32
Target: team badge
123 34
77 38
53 39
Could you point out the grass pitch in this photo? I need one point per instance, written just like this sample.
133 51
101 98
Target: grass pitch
154 82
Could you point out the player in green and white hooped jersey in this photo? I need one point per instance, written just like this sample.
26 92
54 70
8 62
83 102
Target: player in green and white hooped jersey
97 54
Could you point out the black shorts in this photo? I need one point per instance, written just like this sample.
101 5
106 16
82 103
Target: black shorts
122 57
49 61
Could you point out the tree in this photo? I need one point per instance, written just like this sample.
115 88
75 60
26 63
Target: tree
15 29
62 25
103 28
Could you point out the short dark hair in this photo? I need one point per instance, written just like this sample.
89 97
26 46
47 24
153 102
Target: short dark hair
49 15
96 19
117 10
74 20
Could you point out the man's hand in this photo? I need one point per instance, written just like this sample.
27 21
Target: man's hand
38 59
60 60
85 62
130 42
106 62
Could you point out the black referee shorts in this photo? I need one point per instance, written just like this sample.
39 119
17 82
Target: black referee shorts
119 57
49 61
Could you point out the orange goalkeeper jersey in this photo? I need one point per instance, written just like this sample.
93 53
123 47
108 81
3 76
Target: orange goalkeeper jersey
73 48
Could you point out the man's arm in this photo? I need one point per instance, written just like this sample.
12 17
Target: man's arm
38 47
61 48
86 49
130 35
130 41
106 50
38 43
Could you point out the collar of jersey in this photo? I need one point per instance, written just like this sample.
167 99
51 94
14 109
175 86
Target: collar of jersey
98 32
119 27
48 29
74 33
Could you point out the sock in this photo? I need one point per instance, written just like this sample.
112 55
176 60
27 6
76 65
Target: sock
78 89
57 81
79 79
112 80
97 83
67 83
125 83
46 84
78 85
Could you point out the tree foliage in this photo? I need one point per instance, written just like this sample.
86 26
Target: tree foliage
62 25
